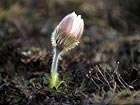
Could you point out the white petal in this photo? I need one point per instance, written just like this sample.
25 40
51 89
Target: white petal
75 27
81 28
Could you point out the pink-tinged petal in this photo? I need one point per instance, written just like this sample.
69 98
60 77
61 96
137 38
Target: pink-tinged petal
67 22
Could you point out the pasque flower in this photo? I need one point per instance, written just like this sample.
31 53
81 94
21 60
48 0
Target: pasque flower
65 37
67 34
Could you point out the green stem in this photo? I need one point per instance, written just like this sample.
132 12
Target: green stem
54 74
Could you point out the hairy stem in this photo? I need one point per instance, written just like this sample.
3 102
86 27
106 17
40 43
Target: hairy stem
54 74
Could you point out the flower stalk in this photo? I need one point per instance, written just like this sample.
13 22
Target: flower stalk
54 81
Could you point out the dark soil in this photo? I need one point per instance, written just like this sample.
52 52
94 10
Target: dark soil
103 70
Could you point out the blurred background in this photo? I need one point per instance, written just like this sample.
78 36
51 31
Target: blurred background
112 28
33 21
111 41
110 25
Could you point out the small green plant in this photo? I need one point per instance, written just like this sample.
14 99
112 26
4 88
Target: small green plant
64 37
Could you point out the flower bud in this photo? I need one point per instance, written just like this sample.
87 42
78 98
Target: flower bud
67 34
